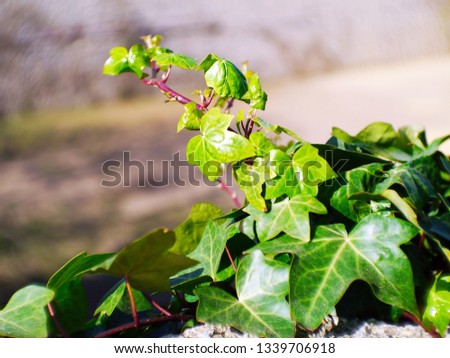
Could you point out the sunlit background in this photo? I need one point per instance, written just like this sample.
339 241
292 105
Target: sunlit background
323 63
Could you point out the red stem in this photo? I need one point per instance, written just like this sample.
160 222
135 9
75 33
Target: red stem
231 193
230 258
142 323
132 303
432 333
422 239
58 325
156 305
170 92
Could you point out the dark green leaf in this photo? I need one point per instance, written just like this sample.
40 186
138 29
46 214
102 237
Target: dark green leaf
25 315
261 307
217 145
190 232
289 215
148 263
76 267
325 267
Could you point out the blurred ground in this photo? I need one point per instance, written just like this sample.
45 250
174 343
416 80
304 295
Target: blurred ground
52 205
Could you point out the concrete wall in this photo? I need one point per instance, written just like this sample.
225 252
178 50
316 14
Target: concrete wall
52 51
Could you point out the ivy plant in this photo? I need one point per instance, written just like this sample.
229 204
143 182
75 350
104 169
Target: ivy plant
318 219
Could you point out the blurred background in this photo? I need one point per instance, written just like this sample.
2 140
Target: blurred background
323 63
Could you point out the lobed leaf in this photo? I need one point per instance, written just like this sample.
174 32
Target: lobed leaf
260 308
25 315
324 268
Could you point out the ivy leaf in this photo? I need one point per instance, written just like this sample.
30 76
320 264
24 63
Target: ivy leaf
325 267
76 267
312 169
148 263
437 310
262 144
209 251
138 60
286 181
25 315
289 215
190 232
117 62
250 178
261 307
190 119
224 77
112 299
217 145
175 59
255 94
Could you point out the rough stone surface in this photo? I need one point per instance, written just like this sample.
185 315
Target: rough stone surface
345 329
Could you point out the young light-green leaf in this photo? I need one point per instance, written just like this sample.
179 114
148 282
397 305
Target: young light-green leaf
437 310
225 78
175 59
289 215
217 145
25 315
326 266
261 307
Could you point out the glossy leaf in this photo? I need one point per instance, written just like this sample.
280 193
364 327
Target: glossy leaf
290 216
260 308
25 315
224 77
250 178
255 94
325 267
190 232
138 60
190 119
117 62
262 144
217 145
437 310
175 59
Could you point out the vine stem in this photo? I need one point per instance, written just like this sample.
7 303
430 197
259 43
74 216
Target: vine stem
230 193
132 303
58 325
432 333
142 323
161 84
156 305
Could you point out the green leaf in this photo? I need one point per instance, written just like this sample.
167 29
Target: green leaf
261 307
110 302
25 315
207 62
209 251
250 178
286 181
76 267
71 306
437 310
326 266
378 133
217 145
289 215
148 263
175 59
262 144
117 62
138 60
190 232
255 94
190 119
224 77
